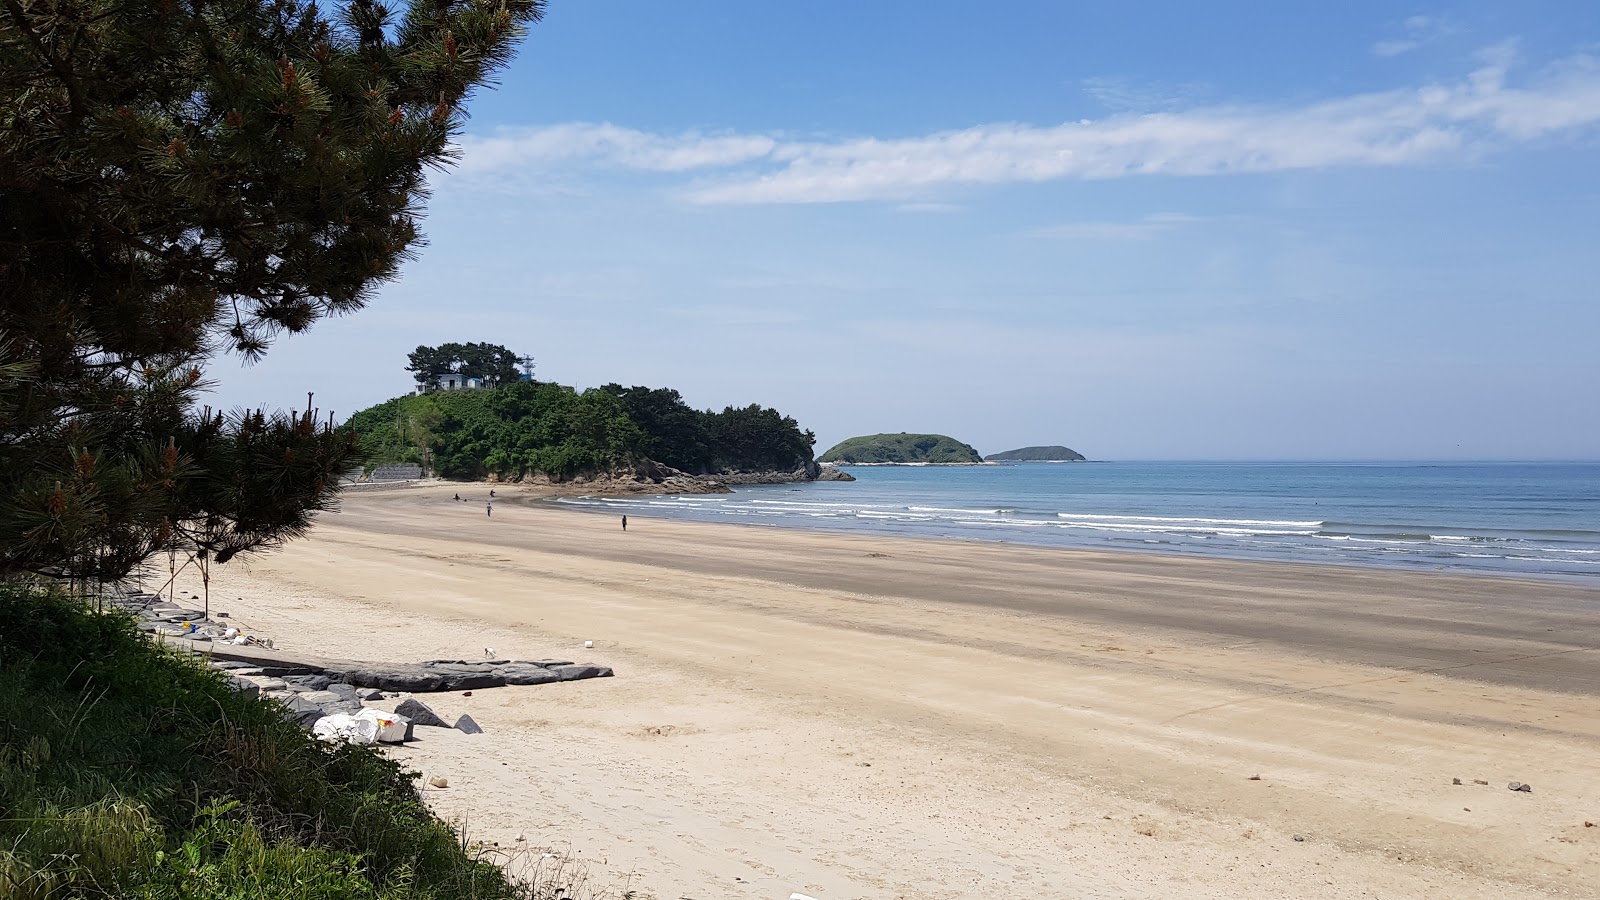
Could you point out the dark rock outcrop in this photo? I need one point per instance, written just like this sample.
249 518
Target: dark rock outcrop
419 713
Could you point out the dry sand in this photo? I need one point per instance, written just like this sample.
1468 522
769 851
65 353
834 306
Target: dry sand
866 717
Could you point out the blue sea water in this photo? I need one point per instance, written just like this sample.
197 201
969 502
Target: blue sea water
1522 518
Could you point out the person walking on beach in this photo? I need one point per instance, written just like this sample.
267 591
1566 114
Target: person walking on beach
488 509
624 523
491 492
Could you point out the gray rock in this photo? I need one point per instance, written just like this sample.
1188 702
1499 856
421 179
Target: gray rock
249 689
526 673
1455 781
233 665
546 663
268 684
466 724
466 681
418 681
468 664
298 709
310 682
282 671
571 672
1519 786
1299 837
320 698
369 694
247 670
345 691
419 713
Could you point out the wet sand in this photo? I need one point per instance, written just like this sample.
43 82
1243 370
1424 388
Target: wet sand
869 717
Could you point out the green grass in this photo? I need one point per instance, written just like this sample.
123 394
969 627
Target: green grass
128 771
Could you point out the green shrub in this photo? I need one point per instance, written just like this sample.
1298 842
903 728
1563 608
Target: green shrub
128 770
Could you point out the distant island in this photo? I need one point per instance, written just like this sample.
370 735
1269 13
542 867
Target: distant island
1038 454
901 449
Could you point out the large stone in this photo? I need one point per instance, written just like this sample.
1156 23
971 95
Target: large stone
281 671
321 698
298 709
526 673
249 689
466 681
419 713
414 681
344 691
575 672
467 725
310 682
546 663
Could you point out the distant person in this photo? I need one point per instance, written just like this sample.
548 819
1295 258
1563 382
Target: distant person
491 492
458 498
624 523
488 509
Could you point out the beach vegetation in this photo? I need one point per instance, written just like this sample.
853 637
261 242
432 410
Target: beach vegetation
543 429
127 770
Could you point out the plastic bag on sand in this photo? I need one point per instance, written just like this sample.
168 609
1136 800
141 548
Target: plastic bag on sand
367 727
347 728
392 727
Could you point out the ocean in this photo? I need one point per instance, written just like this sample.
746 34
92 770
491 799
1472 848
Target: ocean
1518 518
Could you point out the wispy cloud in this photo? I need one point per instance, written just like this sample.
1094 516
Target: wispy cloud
609 144
1120 94
1143 229
1415 32
1437 122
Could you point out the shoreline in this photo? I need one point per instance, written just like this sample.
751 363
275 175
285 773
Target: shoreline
853 716
1377 565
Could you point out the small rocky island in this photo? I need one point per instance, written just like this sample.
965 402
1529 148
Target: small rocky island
1053 453
902 450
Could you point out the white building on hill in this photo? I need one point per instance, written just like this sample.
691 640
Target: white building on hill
450 381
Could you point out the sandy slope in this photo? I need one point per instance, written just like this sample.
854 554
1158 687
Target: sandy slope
859 717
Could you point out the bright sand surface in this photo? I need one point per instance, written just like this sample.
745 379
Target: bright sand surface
868 717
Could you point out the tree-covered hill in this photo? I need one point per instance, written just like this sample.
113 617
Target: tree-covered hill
1053 453
532 429
901 448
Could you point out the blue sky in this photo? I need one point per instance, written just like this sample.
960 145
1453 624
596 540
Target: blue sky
1144 230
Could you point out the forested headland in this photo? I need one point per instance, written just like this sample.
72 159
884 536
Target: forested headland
528 429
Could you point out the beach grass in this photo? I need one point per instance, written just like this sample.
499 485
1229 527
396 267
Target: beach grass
128 770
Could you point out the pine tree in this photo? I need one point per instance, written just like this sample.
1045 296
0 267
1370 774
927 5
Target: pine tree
180 178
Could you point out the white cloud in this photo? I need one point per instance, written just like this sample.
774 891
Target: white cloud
606 143
1418 31
1432 123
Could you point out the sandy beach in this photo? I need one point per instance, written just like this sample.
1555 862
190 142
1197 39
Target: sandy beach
859 717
